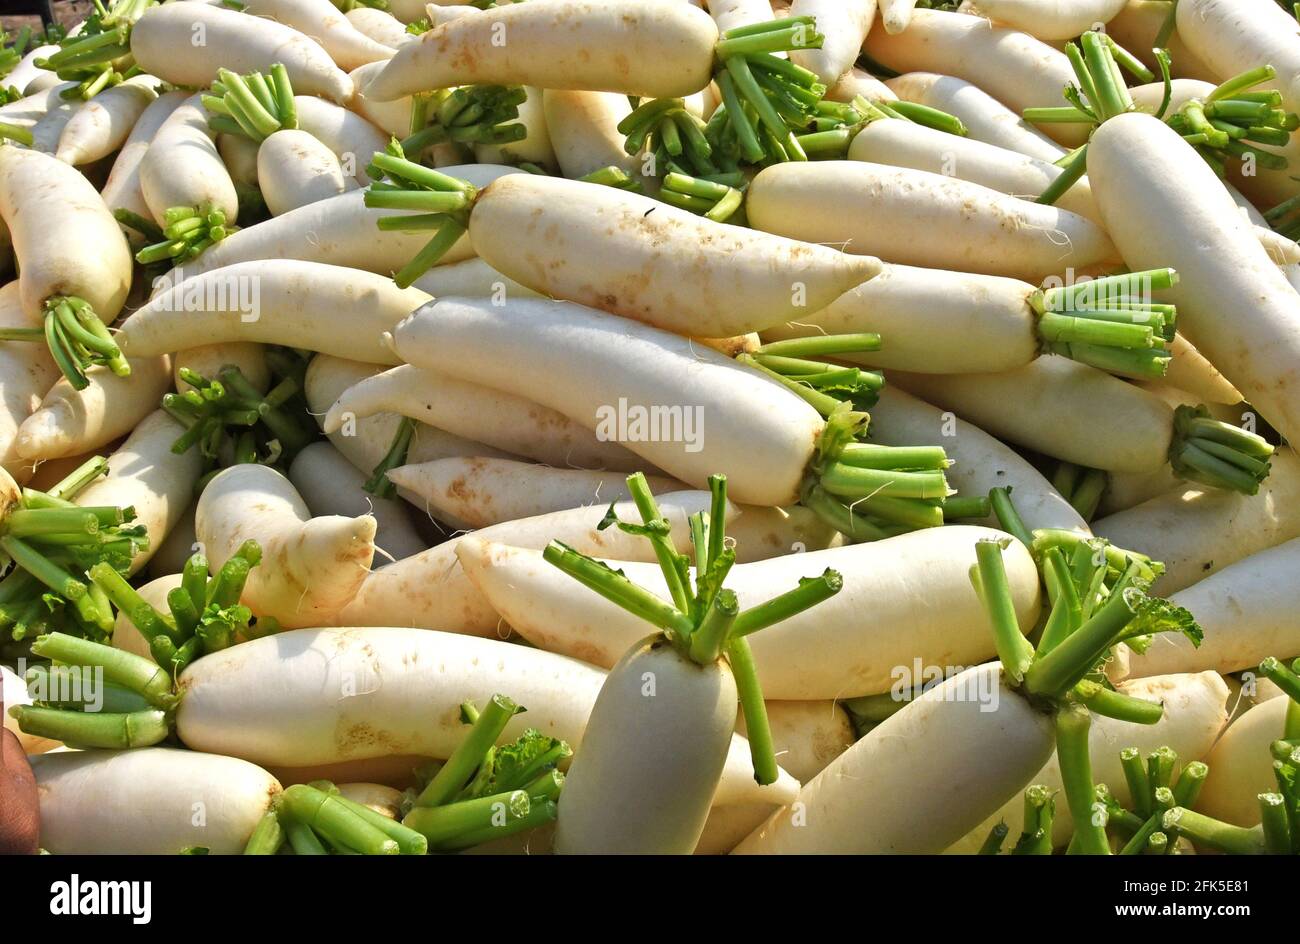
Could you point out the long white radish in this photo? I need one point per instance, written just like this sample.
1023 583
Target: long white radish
352 138
380 25
923 219
331 485
151 801
1013 67
653 48
101 126
480 491
980 462
65 239
1050 19
432 591
319 696
1191 371
1196 710
70 421
321 21
758 433
182 167
470 278
312 567
294 169
122 191
47 132
986 119
26 372
187 43
583 127
844 24
1197 531
633 256
146 475
907 144
920 596
339 231
1159 198
299 304
1231 37
1136 27
505 420
855 82
1247 611
895 791
1241 766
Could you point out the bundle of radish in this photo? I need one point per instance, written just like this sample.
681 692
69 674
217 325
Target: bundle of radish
75 266
1009 709
774 446
668 748
938 322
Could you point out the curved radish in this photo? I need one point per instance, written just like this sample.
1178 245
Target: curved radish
1231 37
393 117
1142 172
295 169
918 218
1013 67
379 25
182 167
186 43
1190 371
1197 531
595 245
758 432
465 408
1196 711
150 801
146 475
480 491
70 421
122 190
319 696
986 119
101 126
845 24
330 485
653 48
1247 611
1050 19
917 582
299 304
321 21
314 565
26 372
431 590
340 231
351 137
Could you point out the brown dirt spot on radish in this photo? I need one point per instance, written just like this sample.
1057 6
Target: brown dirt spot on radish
587 652
460 490
363 739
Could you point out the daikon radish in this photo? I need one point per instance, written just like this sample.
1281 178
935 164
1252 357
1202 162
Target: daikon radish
104 123
321 20
1241 766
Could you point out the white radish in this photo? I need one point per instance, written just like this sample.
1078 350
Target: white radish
49 129
1050 19
122 190
1232 37
471 278
855 82
653 48
70 421
759 433
1159 198
808 735
916 585
186 43
1197 531
294 169
1013 67
729 14
321 20
352 138
1247 611
312 567
1189 370
379 25
464 408
299 304
146 475
319 696
65 239
1196 711
182 167
583 127
844 24
143 802
102 125
25 71
26 372
1241 766
918 218
596 245
896 14
394 117
481 492
331 485
1136 27
432 590
986 119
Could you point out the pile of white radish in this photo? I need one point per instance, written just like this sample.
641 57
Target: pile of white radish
651 427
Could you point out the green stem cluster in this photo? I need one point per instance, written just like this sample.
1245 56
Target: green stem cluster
99 56
1217 454
703 621
1083 488
472 114
186 232
255 106
76 337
